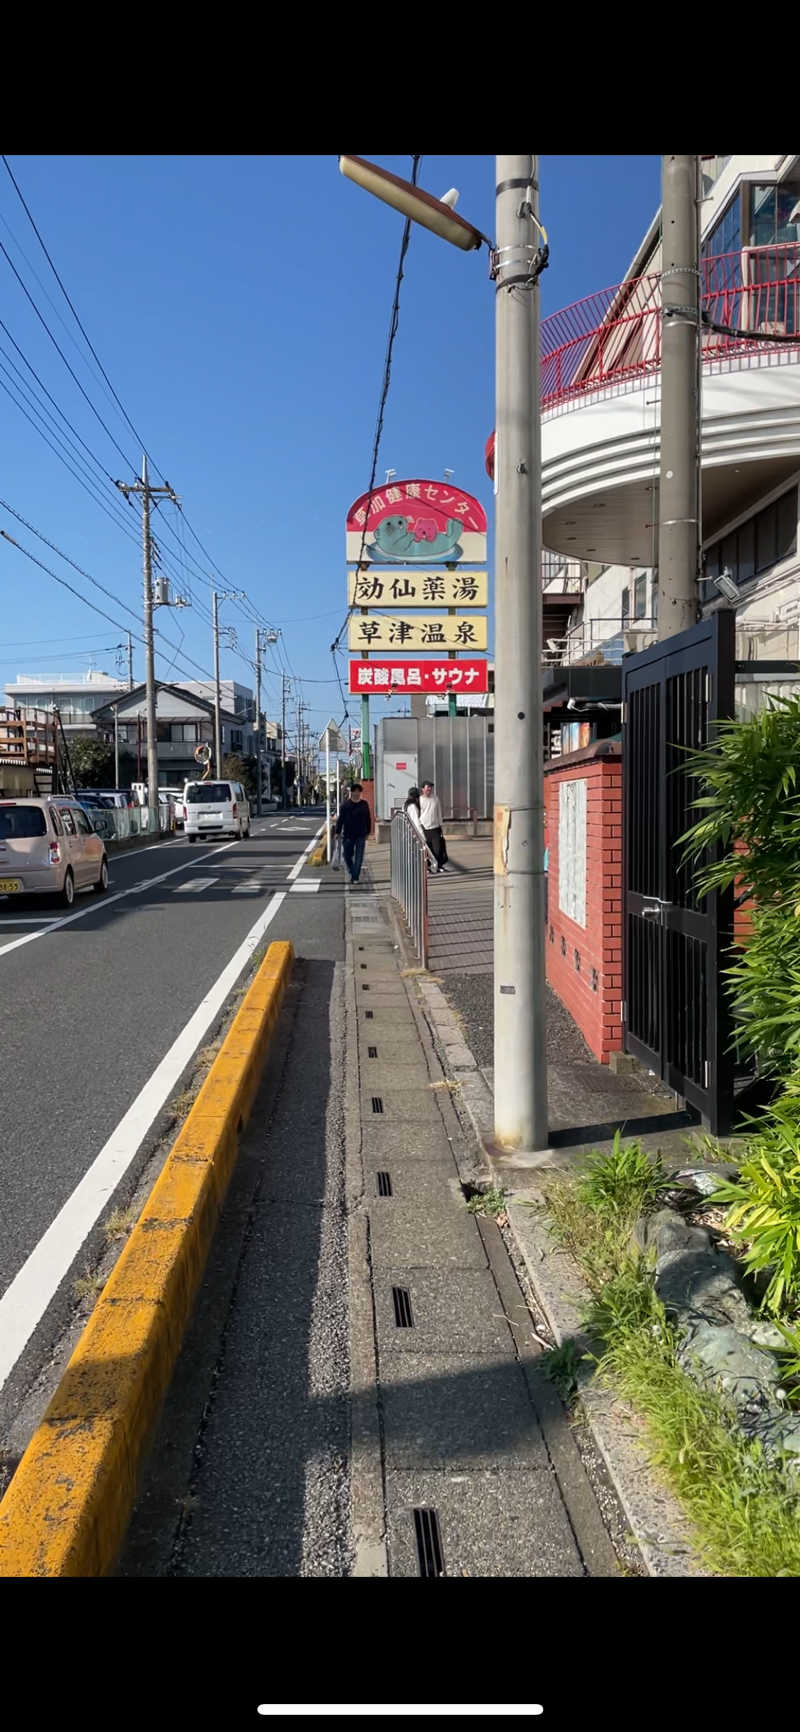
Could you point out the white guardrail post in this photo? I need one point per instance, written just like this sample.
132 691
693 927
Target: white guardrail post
409 880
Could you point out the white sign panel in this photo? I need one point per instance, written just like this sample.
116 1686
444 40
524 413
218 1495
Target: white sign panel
572 850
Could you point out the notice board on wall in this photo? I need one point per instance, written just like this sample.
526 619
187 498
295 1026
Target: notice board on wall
572 850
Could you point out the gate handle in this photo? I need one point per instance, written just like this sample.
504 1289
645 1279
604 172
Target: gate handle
652 913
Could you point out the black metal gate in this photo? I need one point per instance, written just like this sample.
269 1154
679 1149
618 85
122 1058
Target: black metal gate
675 1009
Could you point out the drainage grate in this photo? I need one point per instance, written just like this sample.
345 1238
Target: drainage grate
362 965
370 1015
377 1104
402 1308
364 987
384 1185
429 1542
372 1052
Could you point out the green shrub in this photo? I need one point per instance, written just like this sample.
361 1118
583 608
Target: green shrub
748 831
764 1202
623 1182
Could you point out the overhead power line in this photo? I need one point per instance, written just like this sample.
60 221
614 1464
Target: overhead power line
74 312
386 381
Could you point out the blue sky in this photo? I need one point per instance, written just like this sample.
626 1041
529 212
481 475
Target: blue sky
240 307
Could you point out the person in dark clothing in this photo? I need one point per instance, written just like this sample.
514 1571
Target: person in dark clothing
353 825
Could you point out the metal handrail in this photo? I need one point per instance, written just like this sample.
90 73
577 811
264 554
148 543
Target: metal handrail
409 879
616 333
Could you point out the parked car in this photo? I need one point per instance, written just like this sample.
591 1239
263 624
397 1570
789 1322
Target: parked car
48 848
121 797
216 809
100 810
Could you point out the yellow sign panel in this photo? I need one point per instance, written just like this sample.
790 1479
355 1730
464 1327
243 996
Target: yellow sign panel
421 631
417 588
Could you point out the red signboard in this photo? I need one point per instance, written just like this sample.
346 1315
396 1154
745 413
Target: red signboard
383 677
408 521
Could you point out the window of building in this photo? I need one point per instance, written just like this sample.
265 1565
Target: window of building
184 731
625 600
236 739
770 209
640 596
762 541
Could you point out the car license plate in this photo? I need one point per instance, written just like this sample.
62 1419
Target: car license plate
9 885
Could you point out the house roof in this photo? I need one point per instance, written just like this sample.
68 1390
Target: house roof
188 700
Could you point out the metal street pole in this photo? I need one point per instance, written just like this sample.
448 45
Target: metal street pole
366 766
520 1069
116 745
328 794
679 534
149 655
217 701
258 723
147 492
283 741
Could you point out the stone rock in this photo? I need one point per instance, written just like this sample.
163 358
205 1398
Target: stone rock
705 1179
779 1436
736 1366
765 1334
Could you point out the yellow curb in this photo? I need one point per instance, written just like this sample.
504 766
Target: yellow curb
68 1505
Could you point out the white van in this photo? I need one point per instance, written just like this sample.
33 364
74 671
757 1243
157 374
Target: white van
215 809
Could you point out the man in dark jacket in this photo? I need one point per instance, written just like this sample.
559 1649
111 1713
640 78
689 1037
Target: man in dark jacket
353 825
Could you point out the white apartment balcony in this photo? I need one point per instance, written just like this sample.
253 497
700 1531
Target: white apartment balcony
600 393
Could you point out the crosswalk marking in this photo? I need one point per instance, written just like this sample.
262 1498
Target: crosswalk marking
301 885
193 884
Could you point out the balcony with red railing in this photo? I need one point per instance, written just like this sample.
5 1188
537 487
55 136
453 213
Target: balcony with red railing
600 391
615 333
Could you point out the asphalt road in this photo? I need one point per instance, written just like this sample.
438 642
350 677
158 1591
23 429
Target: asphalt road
102 1013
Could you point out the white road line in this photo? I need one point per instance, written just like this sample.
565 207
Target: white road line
305 884
106 901
193 884
296 870
27 920
25 1301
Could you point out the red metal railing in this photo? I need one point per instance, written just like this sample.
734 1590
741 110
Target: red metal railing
616 333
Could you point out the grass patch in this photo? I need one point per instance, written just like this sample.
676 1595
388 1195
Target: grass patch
120 1222
561 1366
88 1285
623 1182
492 1203
745 1513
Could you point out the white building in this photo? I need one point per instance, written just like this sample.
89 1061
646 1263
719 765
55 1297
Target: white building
601 409
75 697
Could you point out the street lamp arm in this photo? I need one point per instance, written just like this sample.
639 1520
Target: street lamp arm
413 203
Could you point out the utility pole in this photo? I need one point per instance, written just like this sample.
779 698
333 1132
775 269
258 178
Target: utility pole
520 1068
147 493
520 254
217 714
116 744
263 637
283 742
218 595
258 723
679 532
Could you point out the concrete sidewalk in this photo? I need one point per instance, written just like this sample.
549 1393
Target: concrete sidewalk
466 1464
587 1104
587 1099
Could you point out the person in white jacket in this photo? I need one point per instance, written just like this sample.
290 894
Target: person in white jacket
411 806
430 812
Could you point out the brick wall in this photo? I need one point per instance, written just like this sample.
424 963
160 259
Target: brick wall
584 963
